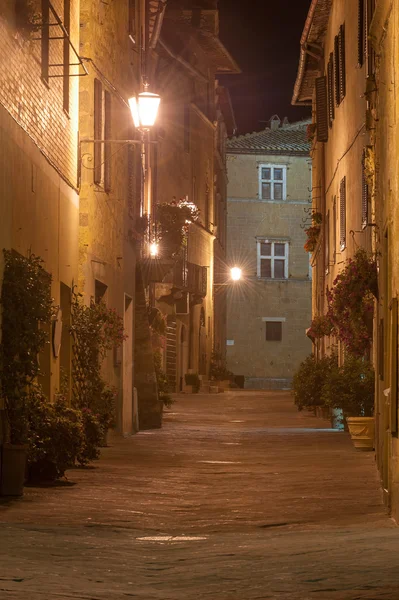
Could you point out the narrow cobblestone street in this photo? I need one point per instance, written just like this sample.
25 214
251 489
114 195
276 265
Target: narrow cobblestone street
238 497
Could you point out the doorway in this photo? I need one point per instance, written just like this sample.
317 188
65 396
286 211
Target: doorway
127 404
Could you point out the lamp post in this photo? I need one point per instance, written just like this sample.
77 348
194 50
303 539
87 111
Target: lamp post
144 109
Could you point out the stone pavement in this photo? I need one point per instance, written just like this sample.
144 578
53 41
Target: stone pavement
238 497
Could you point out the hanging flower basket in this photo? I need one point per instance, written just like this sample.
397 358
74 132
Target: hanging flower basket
321 326
313 232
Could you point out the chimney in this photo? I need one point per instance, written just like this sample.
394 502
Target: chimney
275 122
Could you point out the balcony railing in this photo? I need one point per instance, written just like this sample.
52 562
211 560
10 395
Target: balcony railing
190 277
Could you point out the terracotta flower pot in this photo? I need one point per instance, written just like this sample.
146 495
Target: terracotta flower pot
361 430
12 474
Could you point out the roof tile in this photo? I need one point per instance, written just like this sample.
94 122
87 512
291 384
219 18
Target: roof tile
287 139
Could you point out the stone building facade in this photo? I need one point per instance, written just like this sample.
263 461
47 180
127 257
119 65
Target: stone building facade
268 201
39 197
76 178
350 82
194 121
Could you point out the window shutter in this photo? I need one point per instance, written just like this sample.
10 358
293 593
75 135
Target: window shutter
336 70
342 213
274 331
107 146
364 193
330 90
97 130
131 184
321 109
342 69
360 33
327 242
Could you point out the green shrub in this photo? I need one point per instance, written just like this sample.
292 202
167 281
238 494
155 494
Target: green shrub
194 380
162 381
218 370
93 437
309 380
55 437
351 388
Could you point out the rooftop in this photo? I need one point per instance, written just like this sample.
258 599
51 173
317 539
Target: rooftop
286 138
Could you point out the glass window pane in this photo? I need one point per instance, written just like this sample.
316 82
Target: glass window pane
265 249
278 191
265 191
279 269
278 174
265 268
279 249
266 173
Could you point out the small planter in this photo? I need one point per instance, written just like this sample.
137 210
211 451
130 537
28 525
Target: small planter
13 463
361 430
188 389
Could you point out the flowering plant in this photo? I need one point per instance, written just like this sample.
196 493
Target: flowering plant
172 221
313 232
351 302
320 327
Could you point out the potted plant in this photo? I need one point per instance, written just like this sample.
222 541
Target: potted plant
219 372
313 232
26 304
192 379
309 379
350 388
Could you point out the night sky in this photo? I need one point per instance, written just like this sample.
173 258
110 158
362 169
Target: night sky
263 37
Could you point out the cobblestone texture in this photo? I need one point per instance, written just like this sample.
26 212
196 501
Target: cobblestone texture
244 498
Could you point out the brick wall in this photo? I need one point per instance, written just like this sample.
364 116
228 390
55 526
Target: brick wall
36 106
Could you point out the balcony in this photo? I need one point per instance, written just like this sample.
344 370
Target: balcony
190 277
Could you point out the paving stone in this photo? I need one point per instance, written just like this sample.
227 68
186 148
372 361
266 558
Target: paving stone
238 497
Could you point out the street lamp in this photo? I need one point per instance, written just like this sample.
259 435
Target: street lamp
144 110
235 273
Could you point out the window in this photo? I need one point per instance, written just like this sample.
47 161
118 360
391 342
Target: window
365 193
334 232
100 290
339 64
186 128
102 131
274 331
330 90
133 21
361 32
272 181
67 25
342 214
322 119
272 259
327 243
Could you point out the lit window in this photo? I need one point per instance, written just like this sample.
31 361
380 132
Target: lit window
272 182
272 259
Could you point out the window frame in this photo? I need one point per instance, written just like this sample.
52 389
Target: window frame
272 181
342 214
272 258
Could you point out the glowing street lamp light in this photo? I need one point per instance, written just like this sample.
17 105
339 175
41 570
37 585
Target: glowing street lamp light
144 110
154 250
235 273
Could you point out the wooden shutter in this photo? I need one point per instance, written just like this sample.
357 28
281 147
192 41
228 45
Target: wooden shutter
98 109
394 366
370 7
342 213
327 242
107 146
274 331
334 241
342 68
360 32
330 90
336 70
321 109
364 193
131 183
66 61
